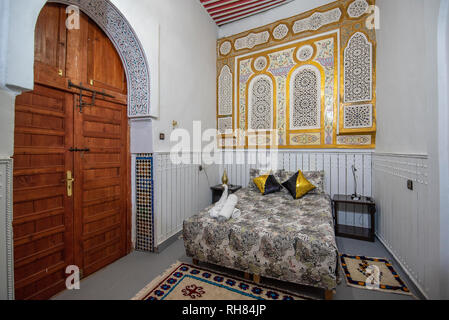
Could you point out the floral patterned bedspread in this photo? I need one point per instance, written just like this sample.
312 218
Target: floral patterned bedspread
275 237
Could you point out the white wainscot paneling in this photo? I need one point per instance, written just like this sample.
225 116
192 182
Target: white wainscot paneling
336 165
180 191
404 222
6 248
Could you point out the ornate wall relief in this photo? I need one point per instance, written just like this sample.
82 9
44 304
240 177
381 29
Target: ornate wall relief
305 98
358 8
225 125
358 77
305 81
260 63
225 48
260 105
251 40
225 92
280 32
317 20
305 53
355 140
358 116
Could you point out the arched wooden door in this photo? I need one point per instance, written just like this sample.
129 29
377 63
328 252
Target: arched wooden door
88 226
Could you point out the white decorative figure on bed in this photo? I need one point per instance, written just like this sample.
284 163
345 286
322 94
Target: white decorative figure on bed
215 211
229 211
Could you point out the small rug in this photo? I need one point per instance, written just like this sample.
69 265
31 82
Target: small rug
186 282
372 273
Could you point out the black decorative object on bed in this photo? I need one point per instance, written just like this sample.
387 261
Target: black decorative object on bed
267 184
298 185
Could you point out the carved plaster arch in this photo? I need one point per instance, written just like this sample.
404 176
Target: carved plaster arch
128 46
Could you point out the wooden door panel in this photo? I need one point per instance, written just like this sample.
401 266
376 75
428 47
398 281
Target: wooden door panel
50 39
76 69
104 66
43 235
89 229
101 198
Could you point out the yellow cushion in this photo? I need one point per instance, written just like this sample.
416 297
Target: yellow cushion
267 184
298 185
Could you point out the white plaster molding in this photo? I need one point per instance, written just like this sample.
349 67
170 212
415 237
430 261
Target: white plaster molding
443 141
4 36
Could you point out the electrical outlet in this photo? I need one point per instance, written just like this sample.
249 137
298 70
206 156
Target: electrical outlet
410 185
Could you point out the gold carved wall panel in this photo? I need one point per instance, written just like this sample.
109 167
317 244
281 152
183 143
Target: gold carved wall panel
308 81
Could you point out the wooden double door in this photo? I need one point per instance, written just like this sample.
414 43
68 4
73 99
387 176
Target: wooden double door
58 221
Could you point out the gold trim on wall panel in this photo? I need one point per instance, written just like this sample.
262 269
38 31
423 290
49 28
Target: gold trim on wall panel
274 100
341 33
347 33
322 99
342 4
220 65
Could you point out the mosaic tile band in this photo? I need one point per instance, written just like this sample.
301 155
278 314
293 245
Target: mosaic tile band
145 203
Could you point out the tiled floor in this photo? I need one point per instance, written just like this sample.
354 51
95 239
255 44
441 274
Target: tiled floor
124 278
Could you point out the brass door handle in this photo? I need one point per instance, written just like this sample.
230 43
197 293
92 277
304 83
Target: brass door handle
69 181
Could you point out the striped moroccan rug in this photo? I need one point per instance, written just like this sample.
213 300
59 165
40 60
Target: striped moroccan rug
186 282
372 273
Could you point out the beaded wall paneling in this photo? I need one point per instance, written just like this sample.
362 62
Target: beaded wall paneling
145 203
6 230
308 81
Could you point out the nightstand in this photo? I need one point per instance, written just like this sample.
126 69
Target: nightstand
366 234
217 191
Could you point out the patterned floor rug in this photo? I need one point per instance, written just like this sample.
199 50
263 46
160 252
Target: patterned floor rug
186 282
372 273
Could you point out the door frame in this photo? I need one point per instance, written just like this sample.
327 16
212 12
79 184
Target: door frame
15 87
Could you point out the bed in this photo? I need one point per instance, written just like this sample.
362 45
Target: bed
275 237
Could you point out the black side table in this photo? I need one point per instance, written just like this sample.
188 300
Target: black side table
217 191
366 234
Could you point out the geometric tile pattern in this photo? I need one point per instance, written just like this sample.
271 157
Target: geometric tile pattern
317 20
358 80
144 201
357 8
305 109
225 92
280 32
261 103
251 40
225 125
358 116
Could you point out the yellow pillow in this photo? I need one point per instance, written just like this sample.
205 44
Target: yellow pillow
298 185
267 184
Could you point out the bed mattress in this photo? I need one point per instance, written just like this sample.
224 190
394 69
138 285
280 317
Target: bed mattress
275 237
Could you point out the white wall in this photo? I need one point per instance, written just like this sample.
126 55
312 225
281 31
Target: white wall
282 12
443 87
187 77
406 75
187 61
407 117
7 99
187 69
